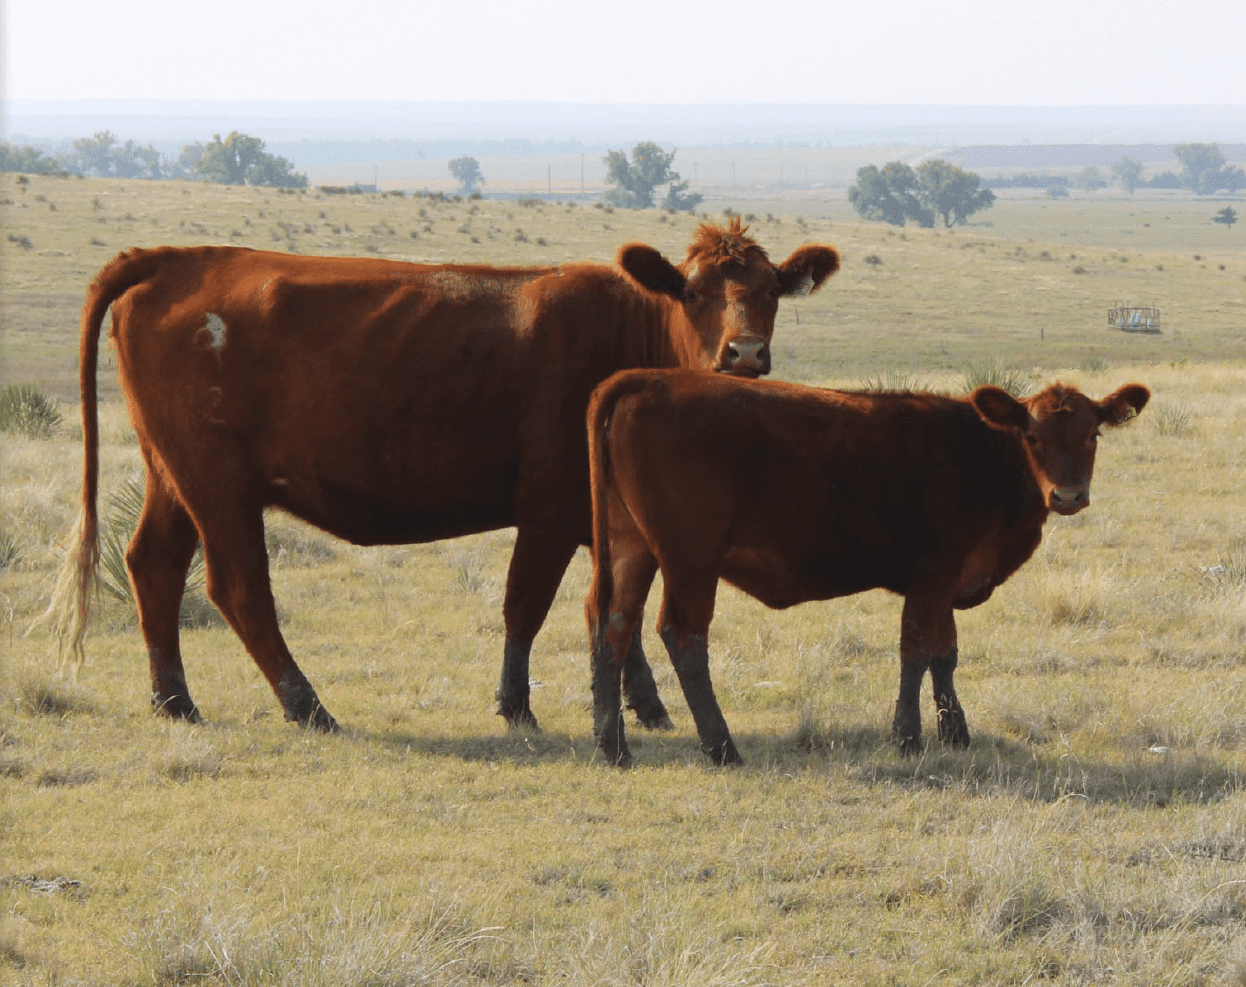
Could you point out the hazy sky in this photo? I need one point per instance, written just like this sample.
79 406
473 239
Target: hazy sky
1001 52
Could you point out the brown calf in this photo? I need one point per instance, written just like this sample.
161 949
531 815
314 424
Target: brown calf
794 493
386 403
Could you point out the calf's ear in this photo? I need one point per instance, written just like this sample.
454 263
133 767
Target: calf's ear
1123 404
809 266
999 408
651 270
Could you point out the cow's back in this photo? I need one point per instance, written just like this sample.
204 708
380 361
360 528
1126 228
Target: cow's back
382 401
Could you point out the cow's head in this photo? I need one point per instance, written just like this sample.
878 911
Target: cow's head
1060 428
727 294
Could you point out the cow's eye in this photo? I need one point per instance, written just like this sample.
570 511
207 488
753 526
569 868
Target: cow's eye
690 294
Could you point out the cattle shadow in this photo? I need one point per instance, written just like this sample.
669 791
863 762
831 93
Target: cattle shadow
993 765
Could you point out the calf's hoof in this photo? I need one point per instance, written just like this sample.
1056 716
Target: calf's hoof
952 730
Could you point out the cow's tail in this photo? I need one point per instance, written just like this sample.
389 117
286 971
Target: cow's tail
77 585
600 411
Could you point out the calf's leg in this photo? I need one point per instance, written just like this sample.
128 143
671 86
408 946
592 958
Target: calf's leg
691 658
927 633
610 642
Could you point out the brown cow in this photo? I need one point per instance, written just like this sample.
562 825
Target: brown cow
794 493
386 403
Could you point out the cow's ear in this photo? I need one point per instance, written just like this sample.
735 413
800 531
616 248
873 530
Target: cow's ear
999 408
651 270
1123 404
804 272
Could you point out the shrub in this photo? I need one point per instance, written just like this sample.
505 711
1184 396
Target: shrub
26 410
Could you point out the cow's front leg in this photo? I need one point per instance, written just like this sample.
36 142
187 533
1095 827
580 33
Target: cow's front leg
537 565
953 730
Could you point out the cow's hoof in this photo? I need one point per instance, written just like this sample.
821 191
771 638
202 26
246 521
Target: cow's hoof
518 717
654 719
178 707
724 755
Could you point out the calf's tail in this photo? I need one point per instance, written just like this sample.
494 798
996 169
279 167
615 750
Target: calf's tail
77 584
601 409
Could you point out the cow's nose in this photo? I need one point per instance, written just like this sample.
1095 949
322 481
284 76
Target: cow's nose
1069 500
748 356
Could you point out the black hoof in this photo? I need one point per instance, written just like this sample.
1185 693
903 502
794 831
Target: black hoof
518 717
178 707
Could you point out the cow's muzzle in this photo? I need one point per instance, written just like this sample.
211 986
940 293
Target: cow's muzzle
744 358
1068 500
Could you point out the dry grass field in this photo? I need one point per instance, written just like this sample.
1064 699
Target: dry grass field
1094 833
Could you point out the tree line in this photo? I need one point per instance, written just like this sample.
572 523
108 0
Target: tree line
237 159
635 183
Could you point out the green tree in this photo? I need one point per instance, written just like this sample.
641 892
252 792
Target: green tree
1089 179
241 160
1204 170
25 159
1127 173
635 181
896 193
1227 216
887 196
679 199
466 171
951 192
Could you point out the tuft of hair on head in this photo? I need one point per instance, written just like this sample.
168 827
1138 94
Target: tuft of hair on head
722 244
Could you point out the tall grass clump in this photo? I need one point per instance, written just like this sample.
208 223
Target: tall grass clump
26 410
10 550
893 380
1171 419
1019 383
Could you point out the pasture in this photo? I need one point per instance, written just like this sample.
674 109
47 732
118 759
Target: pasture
1094 832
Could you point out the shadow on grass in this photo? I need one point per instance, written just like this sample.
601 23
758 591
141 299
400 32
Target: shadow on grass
990 767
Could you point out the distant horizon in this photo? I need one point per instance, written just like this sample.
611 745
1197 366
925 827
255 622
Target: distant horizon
596 123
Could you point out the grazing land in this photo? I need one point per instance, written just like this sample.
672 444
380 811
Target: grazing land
1094 833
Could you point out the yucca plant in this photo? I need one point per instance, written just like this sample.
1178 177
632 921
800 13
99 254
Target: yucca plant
1019 383
26 410
125 506
892 380
1171 419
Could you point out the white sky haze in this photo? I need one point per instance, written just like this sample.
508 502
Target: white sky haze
992 52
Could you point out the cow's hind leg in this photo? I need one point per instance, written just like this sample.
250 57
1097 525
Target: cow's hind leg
158 558
238 583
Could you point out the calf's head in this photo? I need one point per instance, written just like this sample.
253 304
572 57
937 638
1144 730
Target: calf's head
727 294
1060 428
